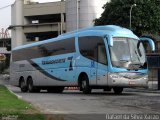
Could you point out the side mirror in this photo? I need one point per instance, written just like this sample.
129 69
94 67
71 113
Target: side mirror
110 40
150 41
138 48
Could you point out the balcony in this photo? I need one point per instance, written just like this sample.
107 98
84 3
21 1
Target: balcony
45 27
44 8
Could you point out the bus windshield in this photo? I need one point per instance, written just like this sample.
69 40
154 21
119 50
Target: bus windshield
128 53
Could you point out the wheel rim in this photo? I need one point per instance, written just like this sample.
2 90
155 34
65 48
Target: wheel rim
118 90
30 86
22 84
84 84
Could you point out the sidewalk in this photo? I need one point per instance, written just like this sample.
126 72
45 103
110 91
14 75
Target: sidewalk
141 90
152 88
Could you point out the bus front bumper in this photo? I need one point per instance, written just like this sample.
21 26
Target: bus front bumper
128 80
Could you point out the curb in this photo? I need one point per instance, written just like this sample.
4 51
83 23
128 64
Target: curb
18 96
144 91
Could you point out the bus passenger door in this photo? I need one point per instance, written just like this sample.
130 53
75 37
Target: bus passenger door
93 72
71 70
102 66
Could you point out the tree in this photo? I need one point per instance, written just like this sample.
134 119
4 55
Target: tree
145 16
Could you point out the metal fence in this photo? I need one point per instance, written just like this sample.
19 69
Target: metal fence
154 69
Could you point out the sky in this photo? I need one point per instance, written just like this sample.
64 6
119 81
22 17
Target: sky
5 14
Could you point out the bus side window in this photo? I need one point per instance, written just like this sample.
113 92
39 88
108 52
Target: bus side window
89 48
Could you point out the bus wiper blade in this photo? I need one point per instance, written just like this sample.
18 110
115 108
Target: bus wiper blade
144 66
134 66
138 56
124 60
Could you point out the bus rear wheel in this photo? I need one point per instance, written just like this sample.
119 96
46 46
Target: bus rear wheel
118 90
23 85
31 87
85 85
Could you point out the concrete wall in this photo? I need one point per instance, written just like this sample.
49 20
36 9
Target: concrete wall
44 8
81 13
24 14
21 23
17 19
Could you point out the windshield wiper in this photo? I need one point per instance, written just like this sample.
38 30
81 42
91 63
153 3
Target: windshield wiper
124 60
134 66
138 56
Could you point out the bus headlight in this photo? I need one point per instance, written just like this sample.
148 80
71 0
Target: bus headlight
115 76
145 78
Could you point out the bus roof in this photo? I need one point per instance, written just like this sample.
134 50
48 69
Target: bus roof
108 28
103 30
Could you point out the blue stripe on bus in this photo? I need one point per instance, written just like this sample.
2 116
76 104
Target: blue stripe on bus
44 72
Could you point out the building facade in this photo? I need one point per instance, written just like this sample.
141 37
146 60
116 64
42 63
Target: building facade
35 22
4 53
32 21
154 64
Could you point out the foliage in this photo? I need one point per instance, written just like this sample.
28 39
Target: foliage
145 15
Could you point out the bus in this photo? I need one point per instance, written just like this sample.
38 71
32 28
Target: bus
101 57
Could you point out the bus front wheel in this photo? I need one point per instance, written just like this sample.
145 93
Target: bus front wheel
118 90
85 85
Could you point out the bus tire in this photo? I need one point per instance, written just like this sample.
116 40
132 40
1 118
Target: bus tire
106 89
23 85
84 85
31 87
59 90
118 90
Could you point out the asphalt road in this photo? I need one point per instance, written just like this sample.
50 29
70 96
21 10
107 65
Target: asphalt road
97 105
73 105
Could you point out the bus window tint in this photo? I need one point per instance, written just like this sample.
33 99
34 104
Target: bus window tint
61 47
89 48
53 48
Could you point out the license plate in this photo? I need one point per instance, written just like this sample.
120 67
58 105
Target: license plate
132 82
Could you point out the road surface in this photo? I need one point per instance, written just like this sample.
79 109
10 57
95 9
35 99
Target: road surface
96 105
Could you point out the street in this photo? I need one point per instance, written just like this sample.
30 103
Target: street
74 102
47 46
